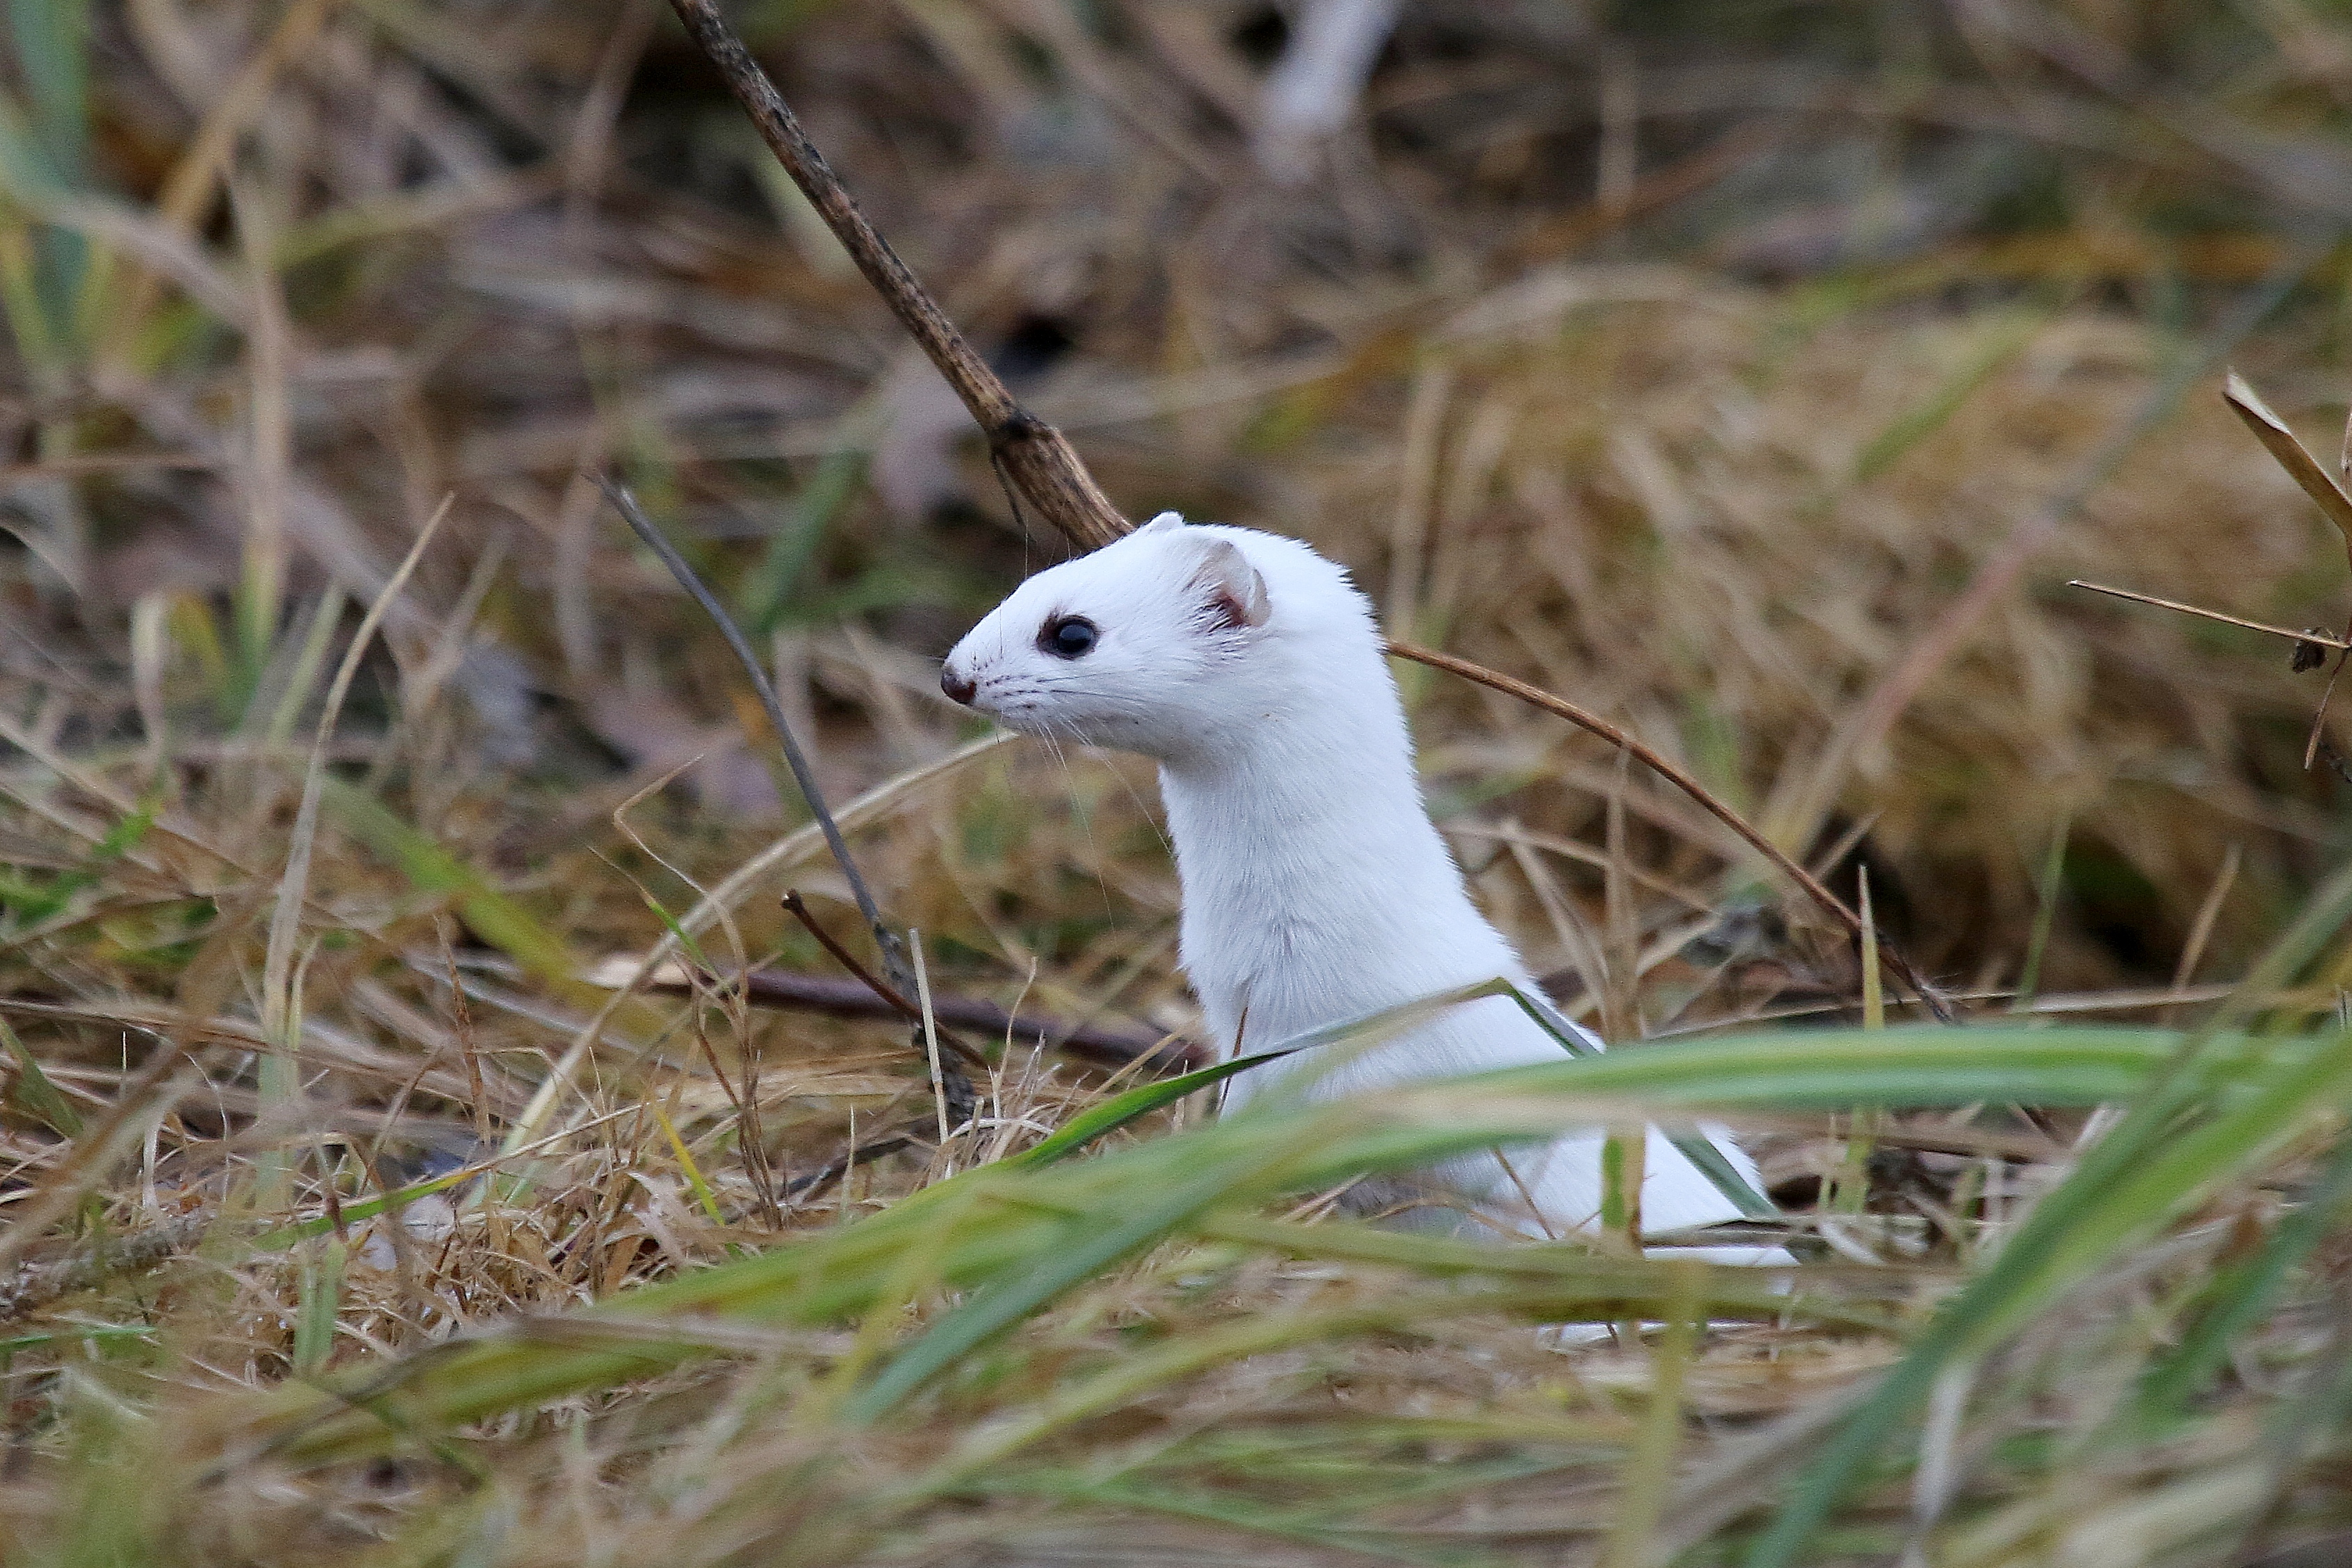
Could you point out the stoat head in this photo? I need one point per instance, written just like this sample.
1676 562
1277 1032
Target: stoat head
1166 642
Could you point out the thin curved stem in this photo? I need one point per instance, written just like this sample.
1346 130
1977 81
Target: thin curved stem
1536 695
894 961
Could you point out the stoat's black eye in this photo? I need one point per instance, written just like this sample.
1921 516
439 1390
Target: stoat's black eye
1068 637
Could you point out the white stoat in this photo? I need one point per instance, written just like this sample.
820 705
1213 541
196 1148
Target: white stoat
1315 888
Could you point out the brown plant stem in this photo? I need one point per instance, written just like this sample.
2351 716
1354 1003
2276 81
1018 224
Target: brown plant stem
1036 461
168 1072
36 1285
817 1182
957 1086
1536 695
802 775
2320 637
894 1000
1103 1045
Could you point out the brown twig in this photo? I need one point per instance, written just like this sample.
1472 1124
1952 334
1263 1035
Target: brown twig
160 1081
1103 1045
36 1285
1035 459
797 906
957 1087
2322 638
819 1181
2327 694
802 775
1536 695
890 995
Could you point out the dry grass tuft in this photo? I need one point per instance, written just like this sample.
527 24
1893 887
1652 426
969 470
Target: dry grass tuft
1696 365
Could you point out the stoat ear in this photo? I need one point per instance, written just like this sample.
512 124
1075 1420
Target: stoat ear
1165 520
1237 594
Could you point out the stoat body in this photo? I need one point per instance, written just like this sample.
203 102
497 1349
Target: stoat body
1315 889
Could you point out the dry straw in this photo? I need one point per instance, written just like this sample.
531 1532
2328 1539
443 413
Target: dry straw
319 1141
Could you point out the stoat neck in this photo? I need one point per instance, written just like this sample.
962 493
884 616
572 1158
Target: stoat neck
1314 885
1330 798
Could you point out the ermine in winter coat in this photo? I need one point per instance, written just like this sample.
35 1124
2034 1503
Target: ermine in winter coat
1315 888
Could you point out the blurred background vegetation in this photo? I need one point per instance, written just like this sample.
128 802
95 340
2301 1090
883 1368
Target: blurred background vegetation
1756 373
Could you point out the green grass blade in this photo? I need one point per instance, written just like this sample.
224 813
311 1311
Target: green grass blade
1120 1110
76 1334
50 41
1915 1066
2121 1193
320 1302
1595 1290
2048 889
1700 1151
1916 425
1116 1113
32 906
1057 1269
1355 1540
2241 1295
693 1171
20 296
1366 1031
34 1093
489 914
772 586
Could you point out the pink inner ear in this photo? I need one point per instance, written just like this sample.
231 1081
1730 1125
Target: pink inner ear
1237 594
1243 604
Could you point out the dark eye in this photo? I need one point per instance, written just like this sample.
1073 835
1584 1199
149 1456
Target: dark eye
1070 636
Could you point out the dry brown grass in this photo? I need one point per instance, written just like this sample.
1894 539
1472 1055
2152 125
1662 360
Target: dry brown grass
1715 455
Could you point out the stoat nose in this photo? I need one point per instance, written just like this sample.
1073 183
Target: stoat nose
957 687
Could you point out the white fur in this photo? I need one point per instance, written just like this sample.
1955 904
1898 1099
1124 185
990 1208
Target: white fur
1315 888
